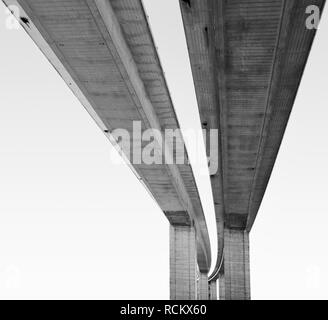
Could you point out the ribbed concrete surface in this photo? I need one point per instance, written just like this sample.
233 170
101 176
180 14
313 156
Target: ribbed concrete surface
203 287
235 279
247 59
182 263
213 290
108 50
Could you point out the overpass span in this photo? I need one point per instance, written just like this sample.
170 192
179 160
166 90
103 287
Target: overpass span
247 59
105 52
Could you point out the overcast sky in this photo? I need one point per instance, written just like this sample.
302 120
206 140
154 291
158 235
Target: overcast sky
74 225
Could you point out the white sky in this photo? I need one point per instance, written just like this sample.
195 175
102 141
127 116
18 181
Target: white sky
73 225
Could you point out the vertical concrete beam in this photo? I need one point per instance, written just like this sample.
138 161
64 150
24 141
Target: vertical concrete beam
203 287
235 277
221 285
213 293
182 263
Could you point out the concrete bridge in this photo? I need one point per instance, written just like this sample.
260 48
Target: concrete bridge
247 59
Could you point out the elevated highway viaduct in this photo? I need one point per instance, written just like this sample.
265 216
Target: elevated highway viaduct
104 50
247 59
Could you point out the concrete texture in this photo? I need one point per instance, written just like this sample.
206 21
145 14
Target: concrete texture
234 280
105 52
183 263
213 290
222 295
247 59
203 287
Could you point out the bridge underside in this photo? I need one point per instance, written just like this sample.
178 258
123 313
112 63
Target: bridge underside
105 52
247 59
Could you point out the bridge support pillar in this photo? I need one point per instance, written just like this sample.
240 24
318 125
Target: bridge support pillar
234 281
222 285
213 290
203 287
182 263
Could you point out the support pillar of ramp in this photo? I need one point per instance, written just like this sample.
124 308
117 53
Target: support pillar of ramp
221 284
183 262
203 287
213 295
234 281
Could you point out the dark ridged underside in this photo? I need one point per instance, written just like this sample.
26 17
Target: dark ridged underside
247 58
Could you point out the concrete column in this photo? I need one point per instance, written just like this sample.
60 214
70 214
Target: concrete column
235 276
221 285
203 287
182 263
213 294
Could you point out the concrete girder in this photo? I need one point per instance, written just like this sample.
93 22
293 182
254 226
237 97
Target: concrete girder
79 56
247 60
